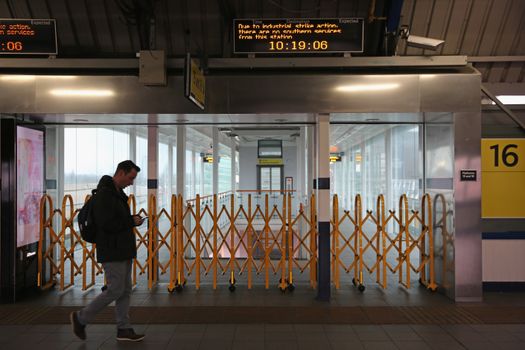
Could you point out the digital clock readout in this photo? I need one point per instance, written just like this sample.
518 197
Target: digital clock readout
317 45
298 35
11 46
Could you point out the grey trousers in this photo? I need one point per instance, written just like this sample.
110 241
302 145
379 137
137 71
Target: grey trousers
118 281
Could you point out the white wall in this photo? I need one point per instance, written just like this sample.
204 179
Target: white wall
248 165
503 260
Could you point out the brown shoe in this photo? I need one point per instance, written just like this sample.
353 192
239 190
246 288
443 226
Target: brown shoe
128 334
78 328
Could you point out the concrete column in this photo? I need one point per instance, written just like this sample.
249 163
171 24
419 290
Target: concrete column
181 159
323 205
215 145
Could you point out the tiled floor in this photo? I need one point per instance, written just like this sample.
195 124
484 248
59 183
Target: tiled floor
258 335
264 336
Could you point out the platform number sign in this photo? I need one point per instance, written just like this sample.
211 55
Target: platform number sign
507 155
503 178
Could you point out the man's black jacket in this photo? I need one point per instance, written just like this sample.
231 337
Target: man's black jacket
114 223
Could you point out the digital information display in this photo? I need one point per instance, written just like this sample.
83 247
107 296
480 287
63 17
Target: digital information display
28 37
329 35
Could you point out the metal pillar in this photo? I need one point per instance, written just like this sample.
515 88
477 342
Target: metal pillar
323 205
153 154
232 156
181 159
215 177
467 199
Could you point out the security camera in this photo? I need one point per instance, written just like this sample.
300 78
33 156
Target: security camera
419 41
424 42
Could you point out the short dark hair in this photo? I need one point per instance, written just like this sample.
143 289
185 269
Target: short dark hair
127 166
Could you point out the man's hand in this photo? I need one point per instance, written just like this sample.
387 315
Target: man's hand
138 220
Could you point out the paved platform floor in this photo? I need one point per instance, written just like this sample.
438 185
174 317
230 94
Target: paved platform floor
271 336
269 319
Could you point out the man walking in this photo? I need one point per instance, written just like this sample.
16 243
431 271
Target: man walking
116 250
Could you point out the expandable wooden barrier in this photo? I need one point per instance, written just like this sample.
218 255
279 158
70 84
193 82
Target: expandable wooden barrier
225 235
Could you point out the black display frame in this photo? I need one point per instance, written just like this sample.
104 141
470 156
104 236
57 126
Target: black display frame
18 265
43 42
350 42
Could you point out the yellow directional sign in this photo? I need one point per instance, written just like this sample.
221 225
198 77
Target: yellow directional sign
195 82
503 178
270 161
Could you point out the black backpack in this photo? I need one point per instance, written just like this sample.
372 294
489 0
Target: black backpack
86 224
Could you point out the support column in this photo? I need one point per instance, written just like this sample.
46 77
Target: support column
232 156
215 146
153 154
181 159
323 205
467 208
310 160
133 152
301 150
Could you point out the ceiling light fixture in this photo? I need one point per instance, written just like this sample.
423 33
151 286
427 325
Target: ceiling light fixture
81 93
367 87
20 78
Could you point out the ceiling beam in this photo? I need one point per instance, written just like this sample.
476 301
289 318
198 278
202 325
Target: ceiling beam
478 59
243 63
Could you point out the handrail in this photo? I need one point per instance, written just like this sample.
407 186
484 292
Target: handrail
265 191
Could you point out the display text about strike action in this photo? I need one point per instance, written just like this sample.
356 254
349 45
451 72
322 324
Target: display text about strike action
16 29
284 31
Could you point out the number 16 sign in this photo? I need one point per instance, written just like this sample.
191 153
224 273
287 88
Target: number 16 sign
503 178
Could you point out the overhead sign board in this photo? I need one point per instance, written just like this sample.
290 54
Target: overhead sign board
298 35
270 161
502 178
28 37
195 82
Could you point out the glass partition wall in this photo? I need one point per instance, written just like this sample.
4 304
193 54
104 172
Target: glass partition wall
373 160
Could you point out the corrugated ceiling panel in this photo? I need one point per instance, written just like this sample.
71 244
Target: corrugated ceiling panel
513 73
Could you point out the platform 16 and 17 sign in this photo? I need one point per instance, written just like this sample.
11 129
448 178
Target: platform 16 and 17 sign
503 178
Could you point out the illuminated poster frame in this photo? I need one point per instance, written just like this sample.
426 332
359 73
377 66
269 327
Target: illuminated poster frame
30 167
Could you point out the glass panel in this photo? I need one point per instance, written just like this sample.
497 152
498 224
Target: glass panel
439 169
276 178
141 182
225 165
266 178
190 179
91 153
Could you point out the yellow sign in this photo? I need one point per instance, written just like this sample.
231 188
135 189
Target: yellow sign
194 82
270 161
503 178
